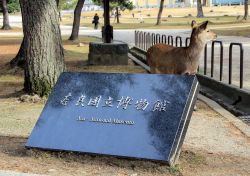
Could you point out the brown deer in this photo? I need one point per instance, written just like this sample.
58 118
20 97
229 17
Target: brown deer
180 60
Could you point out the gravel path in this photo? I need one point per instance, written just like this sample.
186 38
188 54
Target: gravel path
214 133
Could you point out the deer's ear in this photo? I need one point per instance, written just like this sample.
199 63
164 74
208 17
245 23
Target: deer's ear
193 24
203 26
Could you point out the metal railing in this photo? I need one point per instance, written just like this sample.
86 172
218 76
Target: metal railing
241 62
145 40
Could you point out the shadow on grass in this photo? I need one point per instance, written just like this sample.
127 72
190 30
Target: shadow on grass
13 94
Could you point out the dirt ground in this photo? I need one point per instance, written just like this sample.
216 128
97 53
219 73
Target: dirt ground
213 146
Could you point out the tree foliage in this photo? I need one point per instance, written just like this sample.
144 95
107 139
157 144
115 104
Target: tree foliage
67 4
13 6
122 4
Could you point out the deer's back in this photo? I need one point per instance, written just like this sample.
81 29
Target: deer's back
160 58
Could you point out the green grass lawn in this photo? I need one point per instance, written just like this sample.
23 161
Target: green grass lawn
72 48
244 31
167 22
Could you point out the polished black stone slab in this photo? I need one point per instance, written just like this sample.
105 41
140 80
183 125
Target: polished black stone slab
128 115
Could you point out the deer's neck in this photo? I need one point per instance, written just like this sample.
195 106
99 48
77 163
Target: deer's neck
195 49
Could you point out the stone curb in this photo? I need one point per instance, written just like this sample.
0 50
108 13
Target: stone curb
244 128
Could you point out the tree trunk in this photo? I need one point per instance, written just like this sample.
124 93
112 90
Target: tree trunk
77 19
136 4
146 3
42 46
19 60
160 13
59 10
117 15
199 9
6 22
60 16
205 3
246 11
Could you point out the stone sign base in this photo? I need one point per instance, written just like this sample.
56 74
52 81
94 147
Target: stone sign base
115 53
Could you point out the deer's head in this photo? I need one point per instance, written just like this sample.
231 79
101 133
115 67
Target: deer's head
202 33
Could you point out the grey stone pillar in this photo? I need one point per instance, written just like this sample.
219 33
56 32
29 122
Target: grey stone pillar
115 53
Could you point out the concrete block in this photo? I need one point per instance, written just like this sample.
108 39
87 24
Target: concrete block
115 53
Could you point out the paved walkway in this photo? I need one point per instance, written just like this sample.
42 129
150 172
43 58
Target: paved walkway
11 173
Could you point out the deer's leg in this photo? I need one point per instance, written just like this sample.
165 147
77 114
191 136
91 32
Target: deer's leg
186 73
195 108
152 70
193 73
157 71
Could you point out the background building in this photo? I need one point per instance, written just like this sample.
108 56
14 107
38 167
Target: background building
183 3
90 6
